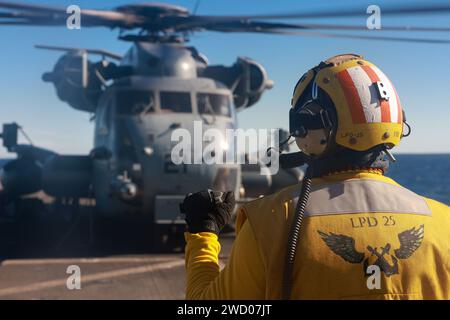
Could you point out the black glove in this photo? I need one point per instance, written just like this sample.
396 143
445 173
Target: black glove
208 211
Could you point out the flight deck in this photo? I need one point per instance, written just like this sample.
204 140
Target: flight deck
136 276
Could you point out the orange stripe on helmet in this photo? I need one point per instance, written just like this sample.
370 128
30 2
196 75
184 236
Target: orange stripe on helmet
399 105
384 105
385 111
352 97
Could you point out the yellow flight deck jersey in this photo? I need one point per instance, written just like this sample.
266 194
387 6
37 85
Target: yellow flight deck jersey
363 237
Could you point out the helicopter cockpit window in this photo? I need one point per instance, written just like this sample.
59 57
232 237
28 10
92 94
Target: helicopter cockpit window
214 104
175 102
135 102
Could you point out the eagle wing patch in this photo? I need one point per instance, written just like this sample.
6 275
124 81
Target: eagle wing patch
410 241
343 246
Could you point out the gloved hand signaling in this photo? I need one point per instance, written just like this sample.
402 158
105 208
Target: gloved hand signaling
208 211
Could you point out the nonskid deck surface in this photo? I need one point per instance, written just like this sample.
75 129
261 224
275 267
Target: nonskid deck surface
104 274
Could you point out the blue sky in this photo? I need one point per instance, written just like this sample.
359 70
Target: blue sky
419 71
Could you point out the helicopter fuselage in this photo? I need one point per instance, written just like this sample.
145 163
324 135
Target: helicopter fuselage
137 104
135 119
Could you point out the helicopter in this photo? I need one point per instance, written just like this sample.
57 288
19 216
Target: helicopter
138 99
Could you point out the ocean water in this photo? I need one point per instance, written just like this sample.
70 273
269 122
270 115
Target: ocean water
425 174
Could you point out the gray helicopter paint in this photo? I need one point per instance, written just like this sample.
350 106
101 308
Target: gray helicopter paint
131 156
160 176
171 84
156 173
164 60
173 69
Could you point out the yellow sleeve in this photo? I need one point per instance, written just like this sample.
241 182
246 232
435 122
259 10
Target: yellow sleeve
242 278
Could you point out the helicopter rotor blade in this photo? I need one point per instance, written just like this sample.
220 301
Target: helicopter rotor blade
34 22
90 51
165 19
111 18
352 36
31 7
15 15
239 26
42 15
383 28
338 13
356 11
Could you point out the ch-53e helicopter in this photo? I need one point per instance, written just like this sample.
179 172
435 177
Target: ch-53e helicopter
138 99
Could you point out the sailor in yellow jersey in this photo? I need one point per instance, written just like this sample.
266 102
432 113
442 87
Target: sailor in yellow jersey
349 232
